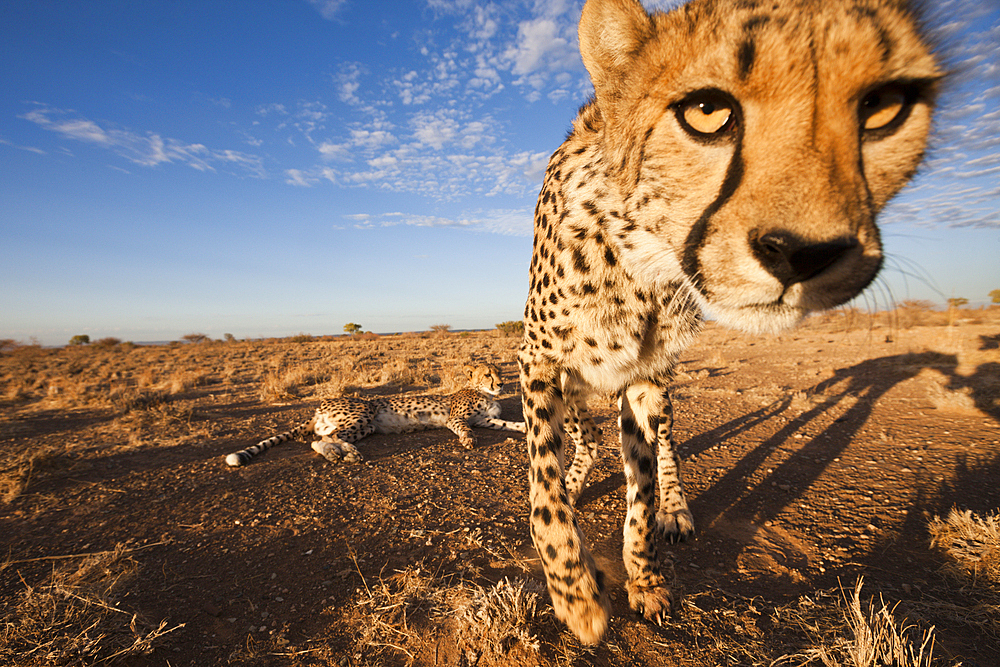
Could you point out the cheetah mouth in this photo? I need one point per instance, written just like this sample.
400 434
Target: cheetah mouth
765 317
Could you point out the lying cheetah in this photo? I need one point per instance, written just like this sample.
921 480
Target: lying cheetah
733 160
341 422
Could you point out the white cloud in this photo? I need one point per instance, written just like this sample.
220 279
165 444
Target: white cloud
30 149
327 8
436 128
347 82
515 222
147 150
299 178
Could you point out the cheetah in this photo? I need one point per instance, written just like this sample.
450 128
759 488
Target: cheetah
342 422
732 162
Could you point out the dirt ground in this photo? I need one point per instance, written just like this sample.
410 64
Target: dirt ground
811 459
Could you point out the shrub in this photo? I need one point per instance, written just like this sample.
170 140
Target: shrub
80 339
914 312
511 328
107 343
352 328
195 337
440 328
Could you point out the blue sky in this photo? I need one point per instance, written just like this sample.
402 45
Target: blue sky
264 168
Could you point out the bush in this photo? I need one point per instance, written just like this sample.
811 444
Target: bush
195 337
107 343
440 328
80 339
511 328
914 312
352 328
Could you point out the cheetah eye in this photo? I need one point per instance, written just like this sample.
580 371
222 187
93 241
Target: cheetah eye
706 115
883 107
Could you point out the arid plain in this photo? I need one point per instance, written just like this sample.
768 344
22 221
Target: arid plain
816 461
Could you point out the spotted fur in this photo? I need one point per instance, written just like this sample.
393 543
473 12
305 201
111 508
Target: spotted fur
733 161
342 422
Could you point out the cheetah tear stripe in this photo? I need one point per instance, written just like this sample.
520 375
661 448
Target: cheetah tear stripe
733 160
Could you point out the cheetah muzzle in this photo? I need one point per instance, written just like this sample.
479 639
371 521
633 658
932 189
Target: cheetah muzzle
732 161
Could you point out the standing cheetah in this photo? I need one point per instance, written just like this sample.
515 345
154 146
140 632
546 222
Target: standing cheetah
733 160
341 422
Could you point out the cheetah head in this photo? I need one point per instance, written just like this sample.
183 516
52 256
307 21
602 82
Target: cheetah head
752 144
484 378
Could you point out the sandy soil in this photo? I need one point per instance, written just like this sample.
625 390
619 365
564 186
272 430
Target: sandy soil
811 459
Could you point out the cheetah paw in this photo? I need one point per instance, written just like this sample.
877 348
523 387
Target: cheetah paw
467 441
352 456
586 612
336 453
655 603
675 526
331 451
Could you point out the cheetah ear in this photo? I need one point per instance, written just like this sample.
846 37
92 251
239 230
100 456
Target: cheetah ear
611 33
469 370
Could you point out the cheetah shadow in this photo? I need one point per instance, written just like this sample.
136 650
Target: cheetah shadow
861 387
749 549
741 516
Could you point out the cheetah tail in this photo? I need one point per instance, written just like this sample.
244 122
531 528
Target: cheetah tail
243 456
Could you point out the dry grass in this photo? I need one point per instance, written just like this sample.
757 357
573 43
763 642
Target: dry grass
865 635
869 635
395 610
158 395
500 625
78 617
508 623
973 544
15 478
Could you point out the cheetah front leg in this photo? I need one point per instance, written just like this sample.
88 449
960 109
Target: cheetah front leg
498 424
575 584
674 521
640 409
460 427
581 430
339 446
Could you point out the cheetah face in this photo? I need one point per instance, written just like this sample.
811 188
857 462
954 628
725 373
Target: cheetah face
752 167
484 378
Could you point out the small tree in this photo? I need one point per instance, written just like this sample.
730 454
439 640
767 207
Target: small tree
995 295
352 328
440 328
195 337
229 338
511 328
80 339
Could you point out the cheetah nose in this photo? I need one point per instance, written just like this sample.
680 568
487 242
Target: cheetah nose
791 259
